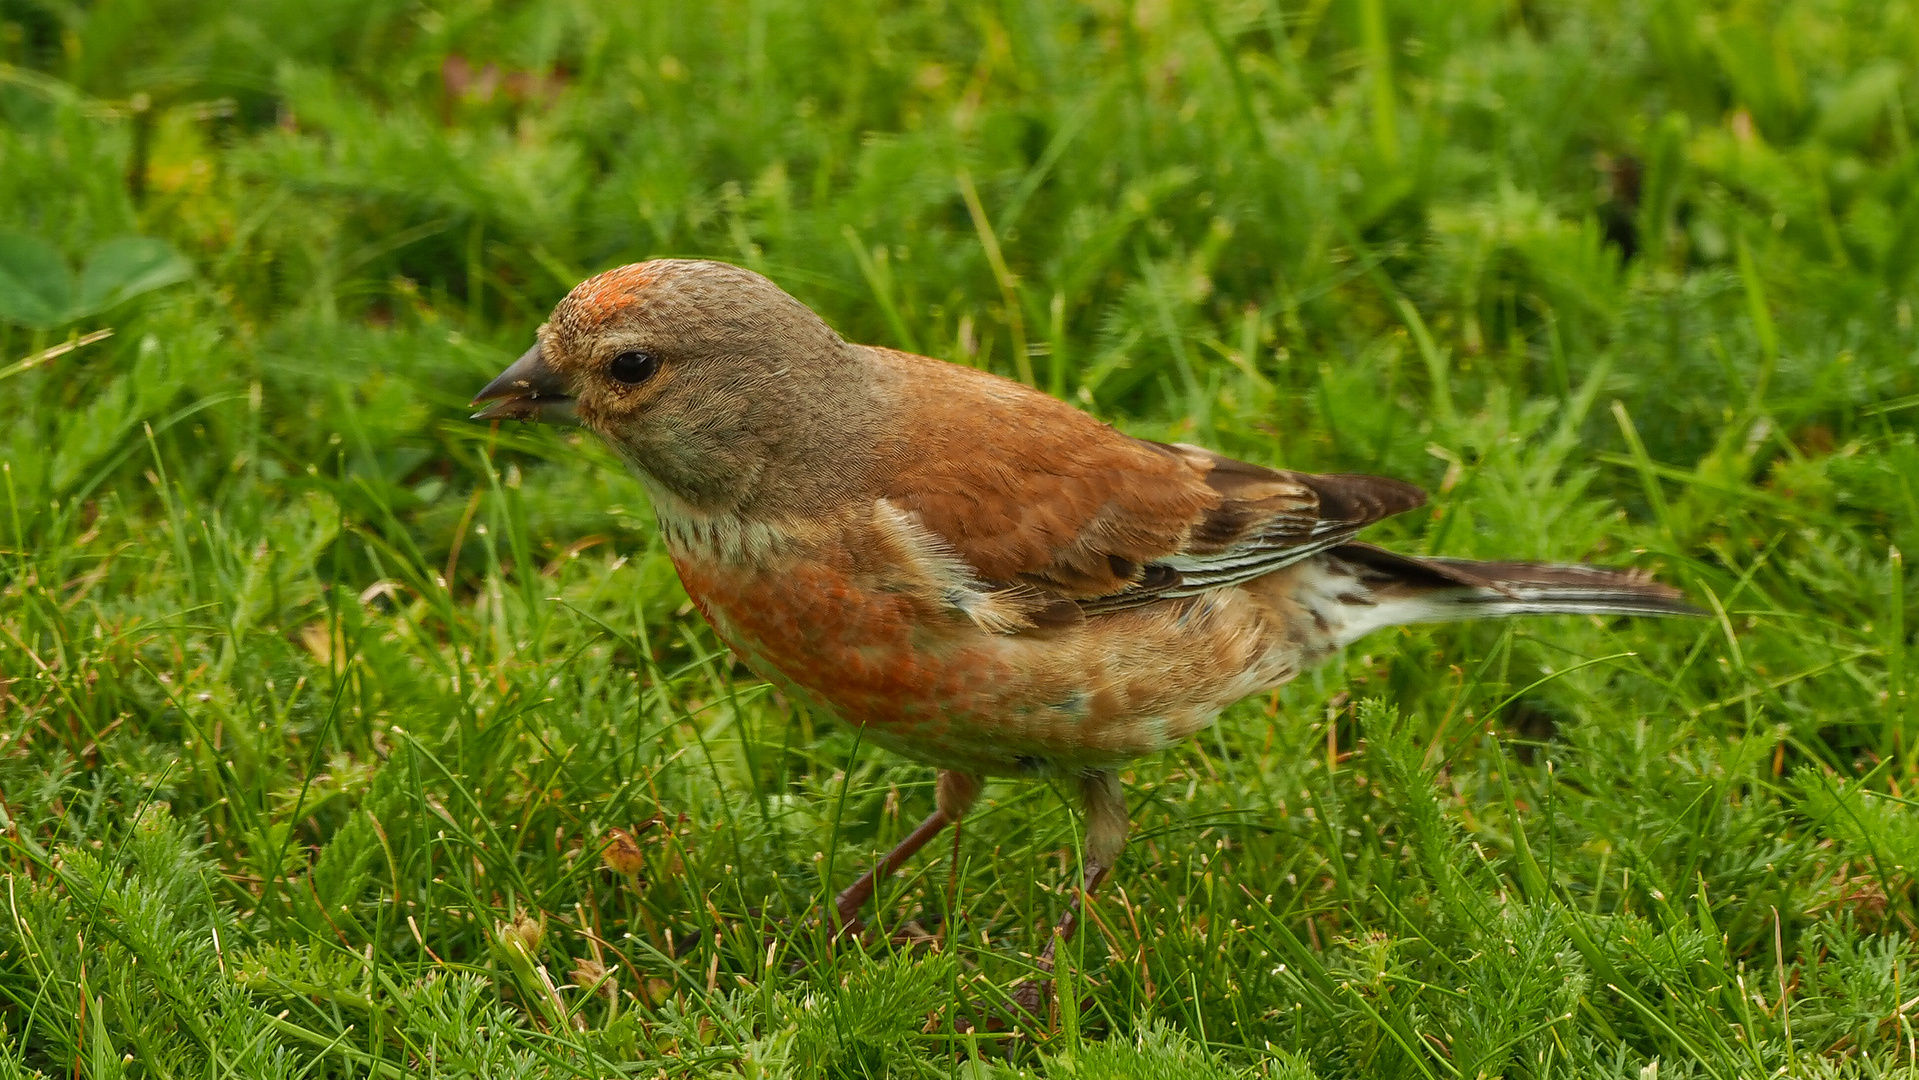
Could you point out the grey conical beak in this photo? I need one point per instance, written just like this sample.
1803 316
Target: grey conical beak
528 390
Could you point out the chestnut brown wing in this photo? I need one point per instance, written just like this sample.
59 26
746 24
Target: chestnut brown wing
1058 502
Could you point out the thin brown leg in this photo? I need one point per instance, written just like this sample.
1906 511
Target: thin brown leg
1069 923
956 793
1031 994
855 896
1105 807
952 873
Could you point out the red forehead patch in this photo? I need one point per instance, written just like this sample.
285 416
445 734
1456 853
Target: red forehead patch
598 297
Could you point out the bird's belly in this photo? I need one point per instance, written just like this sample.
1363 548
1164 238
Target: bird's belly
926 682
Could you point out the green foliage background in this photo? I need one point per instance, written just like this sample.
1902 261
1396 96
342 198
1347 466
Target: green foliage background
320 704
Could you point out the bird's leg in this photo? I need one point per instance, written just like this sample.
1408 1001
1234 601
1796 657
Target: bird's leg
955 793
1105 805
1069 922
855 896
952 873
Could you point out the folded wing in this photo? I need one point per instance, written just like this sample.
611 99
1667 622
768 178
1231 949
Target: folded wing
1066 517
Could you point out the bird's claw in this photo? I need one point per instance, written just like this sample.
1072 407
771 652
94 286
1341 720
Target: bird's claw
847 924
1030 996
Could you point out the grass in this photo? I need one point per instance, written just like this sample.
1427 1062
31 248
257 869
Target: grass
342 736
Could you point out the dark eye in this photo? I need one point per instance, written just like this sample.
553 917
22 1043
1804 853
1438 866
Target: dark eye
634 368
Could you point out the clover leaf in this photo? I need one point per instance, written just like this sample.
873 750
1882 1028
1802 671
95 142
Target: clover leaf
39 291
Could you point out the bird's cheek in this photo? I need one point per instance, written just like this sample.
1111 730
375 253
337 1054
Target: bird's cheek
613 410
596 420
630 439
602 416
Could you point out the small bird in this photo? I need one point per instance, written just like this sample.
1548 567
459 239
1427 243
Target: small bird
980 576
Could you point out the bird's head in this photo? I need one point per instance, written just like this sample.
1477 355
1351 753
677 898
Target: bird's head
712 382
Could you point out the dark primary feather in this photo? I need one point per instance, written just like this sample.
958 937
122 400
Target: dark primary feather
1266 520
1459 588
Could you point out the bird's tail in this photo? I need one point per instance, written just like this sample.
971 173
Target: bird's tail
1394 589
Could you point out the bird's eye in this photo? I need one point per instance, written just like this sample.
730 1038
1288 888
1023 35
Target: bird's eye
634 368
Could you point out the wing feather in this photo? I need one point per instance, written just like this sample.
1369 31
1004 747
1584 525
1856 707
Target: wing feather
1069 508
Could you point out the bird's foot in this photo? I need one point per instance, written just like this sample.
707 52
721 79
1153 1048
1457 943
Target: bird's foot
1032 1002
909 933
912 934
1032 995
846 924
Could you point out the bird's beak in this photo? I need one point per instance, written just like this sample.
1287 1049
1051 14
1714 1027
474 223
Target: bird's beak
528 390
